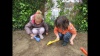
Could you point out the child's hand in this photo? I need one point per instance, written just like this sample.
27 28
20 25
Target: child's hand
46 33
57 38
32 36
71 42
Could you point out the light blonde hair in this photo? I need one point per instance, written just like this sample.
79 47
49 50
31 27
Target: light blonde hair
38 12
38 15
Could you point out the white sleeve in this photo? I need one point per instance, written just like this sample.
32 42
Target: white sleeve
31 17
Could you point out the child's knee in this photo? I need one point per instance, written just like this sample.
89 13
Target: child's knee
42 29
34 31
67 35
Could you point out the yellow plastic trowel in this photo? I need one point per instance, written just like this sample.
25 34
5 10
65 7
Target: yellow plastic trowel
50 42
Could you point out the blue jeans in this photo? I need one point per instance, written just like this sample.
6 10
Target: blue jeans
65 37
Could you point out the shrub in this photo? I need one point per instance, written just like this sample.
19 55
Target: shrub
23 9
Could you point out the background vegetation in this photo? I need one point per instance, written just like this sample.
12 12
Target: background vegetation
23 9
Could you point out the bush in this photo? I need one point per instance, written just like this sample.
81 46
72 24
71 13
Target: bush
81 17
78 15
49 21
23 9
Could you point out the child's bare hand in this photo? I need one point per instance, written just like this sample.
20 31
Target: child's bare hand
71 42
32 36
46 33
57 38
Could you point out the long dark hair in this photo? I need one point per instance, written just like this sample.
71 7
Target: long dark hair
62 22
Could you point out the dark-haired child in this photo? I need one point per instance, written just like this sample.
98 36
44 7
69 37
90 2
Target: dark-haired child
64 30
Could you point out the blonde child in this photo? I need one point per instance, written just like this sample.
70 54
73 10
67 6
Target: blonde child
36 25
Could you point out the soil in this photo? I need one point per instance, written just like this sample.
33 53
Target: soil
23 45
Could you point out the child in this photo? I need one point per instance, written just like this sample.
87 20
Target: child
64 30
36 25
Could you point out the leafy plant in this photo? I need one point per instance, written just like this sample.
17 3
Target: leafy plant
78 15
49 21
23 9
81 17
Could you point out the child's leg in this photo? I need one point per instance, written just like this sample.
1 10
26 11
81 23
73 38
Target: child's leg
35 32
61 36
66 38
41 31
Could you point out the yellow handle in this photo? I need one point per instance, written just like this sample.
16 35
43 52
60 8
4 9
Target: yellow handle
50 42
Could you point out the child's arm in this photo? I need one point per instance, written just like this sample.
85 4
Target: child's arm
74 33
72 38
31 17
27 28
56 33
46 27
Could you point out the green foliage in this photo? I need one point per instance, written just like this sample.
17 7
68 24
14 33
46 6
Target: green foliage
80 12
61 6
22 10
49 4
81 17
49 21
48 15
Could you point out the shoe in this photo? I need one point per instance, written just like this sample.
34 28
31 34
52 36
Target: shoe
41 36
64 43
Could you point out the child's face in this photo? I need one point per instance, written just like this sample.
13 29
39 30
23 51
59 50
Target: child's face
60 27
38 21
